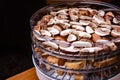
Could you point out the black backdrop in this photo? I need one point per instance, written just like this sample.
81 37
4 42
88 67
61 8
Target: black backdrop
15 41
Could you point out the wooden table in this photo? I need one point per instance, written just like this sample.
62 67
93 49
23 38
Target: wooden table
29 74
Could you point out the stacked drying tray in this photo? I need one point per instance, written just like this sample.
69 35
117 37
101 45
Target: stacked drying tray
76 41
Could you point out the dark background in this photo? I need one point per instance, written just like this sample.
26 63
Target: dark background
15 40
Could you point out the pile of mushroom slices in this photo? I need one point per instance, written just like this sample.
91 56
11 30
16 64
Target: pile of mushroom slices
79 30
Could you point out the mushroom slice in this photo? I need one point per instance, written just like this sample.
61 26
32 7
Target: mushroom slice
75 23
79 77
112 46
115 33
106 62
106 26
63 11
91 50
102 31
81 44
53 30
70 49
81 28
38 35
89 29
115 26
84 34
98 19
101 13
52 21
76 65
55 60
62 16
65 32
84 22
57 27
45 33
102 41
85 17
50 44
116 21
62 43
71 38
93 25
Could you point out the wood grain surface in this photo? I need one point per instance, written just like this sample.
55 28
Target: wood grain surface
29 74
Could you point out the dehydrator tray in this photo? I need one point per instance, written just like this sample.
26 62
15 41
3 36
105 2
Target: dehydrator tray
89 75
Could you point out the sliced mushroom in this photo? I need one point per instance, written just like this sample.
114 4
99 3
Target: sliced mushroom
65 32
50 44
70 49
98 19
52 21
85 17
106 62
73 14
62 16
115 33
115 26
106 26
38 35
79 77
103 41
74 17
62 43
63 11
57 27
75 23
84 34
84 22
45 33
89 29
53 30
82 44
74 65
102 45
71 38
101 13
102 31
112 46
55 60
47 18
78 27
116 21
83 12
91 50
93 25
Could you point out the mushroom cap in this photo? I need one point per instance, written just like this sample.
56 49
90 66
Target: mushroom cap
102 31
